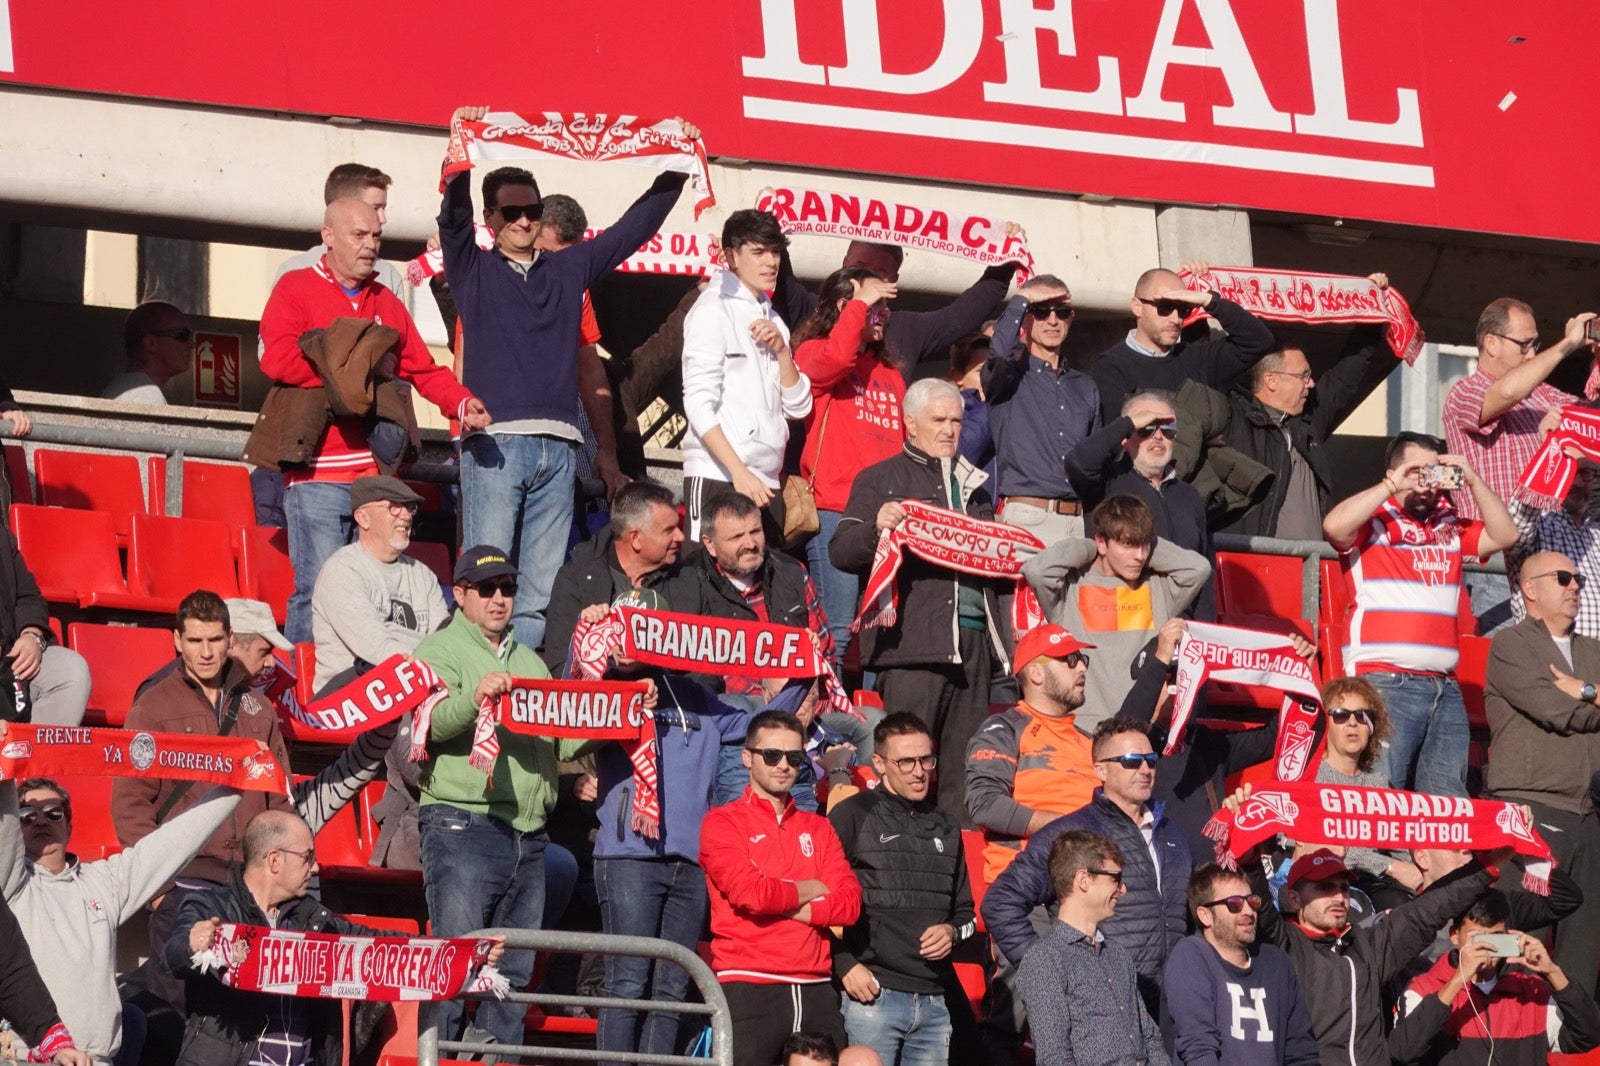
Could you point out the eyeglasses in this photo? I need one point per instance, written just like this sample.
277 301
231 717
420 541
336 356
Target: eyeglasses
1164 308
308 856
512 212
910 762
1168 430
30 815
1341 715
1235 904
1115 875
184 334
1563 577
1045 308
397 506
487 589
1134 760
1304 375
773 756
1529 345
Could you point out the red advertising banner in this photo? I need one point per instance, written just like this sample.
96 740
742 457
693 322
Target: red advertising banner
1421 113
216 370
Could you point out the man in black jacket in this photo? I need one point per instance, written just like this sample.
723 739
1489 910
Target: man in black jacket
916 903
1285 416
26 1002
231 1026
936 659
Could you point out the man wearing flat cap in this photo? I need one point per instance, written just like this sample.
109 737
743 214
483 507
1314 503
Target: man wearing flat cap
372 600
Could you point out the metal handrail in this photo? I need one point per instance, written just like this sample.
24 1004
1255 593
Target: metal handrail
557 940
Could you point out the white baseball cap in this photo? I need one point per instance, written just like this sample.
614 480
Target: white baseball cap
253 616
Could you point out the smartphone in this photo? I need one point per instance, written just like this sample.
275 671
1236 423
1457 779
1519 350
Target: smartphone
1594 329
1442 476
1504 945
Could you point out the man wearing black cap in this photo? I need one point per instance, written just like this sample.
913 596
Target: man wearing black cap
371 599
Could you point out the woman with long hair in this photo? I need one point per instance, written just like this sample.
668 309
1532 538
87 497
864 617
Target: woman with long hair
854 420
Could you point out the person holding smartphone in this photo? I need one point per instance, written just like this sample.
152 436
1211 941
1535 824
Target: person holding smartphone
1498 996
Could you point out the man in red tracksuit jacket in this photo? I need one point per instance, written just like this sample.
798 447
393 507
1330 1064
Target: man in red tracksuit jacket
778 878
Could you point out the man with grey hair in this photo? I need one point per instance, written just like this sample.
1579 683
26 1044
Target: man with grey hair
1039 409
936 658
1156 353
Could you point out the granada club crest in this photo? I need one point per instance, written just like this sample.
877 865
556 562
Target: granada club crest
1297 741
806 847
1266 808
1511 821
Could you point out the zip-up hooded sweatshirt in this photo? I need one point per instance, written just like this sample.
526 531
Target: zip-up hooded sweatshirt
754 857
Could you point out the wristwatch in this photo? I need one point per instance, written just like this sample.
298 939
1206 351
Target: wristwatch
1587 692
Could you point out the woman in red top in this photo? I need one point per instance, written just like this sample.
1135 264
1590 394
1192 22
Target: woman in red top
854 420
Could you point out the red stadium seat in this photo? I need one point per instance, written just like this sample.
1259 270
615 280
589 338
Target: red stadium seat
90 481
215 492
972 844
119 657
72 554
1336 603
17 474
94 836
1259 584
168 558
265 572
388 923
865 697
435 557
1471 674
305 670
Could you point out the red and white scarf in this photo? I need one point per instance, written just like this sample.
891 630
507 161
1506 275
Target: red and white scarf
581 710
665 253
1384 818
287 962
1440 527
1248 657
955 541
397 686
975 238
505 136
1551 471
80 751
1312 298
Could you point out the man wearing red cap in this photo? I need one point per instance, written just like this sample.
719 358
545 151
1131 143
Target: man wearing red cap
1344 968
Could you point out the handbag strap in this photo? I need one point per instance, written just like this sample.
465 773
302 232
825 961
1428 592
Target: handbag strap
822 428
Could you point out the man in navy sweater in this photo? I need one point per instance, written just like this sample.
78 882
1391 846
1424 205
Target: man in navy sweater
519 312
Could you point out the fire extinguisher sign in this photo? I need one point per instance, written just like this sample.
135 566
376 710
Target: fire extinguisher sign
216 370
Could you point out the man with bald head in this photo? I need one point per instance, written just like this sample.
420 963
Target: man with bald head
369 185
157 342
1544 716
340 285
1156 355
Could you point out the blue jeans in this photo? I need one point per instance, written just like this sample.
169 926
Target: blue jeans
318 513
478 873
902 1027
1429 724
560 880
663 898
839 592
516 495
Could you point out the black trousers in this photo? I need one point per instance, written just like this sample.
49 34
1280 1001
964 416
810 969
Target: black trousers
1575 841
764 1016
952 701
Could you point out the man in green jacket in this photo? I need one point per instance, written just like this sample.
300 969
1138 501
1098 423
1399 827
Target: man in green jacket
483 836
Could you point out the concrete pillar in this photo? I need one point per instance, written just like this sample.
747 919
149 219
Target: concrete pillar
1217 235
43 263
176 271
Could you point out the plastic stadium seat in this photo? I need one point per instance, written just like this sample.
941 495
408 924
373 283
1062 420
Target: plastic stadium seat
72 554
215 492
90 481
168 558
1471 674
1336 604
865 697
305 669
972 845
265 572
435 557
119 657
17 473
94 836
1258 584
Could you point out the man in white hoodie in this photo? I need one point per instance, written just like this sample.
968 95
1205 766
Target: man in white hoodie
740 384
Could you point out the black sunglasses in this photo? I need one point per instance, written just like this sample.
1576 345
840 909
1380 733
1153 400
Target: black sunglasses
1168 430
1235 904
1563 577
1341 715
1134 760
29 815
772 756
487 589
183 334
1165 307
512 212
1115 875
1045 308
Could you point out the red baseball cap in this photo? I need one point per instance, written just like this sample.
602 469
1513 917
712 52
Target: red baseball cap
1046 642
1320 865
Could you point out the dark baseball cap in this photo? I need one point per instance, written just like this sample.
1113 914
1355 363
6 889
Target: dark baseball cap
483 563
380 489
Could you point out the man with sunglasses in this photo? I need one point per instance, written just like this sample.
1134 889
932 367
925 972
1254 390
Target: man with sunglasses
1039 409
1156 861
371 599
158 343
1225 996
520 312
1567 529
1156 354
894 963
1497 416
1544 720
778 878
